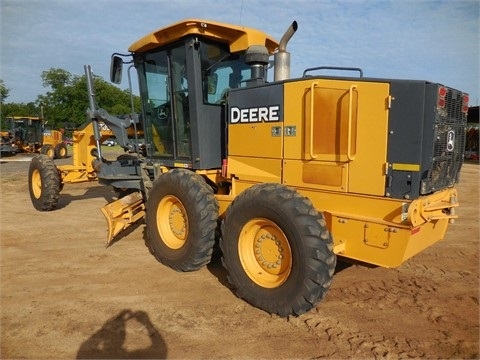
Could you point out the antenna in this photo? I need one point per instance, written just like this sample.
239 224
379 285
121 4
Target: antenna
241 13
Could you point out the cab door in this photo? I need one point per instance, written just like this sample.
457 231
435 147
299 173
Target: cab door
165 102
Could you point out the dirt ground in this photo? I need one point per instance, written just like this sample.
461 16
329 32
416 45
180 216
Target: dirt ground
65 296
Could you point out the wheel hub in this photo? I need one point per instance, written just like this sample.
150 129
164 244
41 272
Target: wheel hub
172 222
36 184
177 222
265 253
268 251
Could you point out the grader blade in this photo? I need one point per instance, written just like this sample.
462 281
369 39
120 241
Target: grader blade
122 213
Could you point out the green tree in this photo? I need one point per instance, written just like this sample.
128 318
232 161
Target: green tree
18 109
4 91
13 109
65 104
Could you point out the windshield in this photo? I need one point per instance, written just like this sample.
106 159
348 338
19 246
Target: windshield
26 129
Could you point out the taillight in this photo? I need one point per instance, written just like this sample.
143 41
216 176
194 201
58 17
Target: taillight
442 92
465 103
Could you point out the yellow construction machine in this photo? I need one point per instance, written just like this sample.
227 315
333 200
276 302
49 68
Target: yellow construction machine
46 179
286 174
27 134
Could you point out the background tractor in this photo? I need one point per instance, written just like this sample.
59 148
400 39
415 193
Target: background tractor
285 175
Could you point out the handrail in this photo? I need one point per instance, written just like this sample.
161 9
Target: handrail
340 68
312 97
349 137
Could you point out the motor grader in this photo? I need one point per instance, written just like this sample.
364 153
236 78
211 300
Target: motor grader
28 135
286 174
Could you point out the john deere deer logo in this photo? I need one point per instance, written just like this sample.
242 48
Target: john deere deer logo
450 140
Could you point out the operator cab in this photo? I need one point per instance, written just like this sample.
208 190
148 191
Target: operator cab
26 130
185 72
183 86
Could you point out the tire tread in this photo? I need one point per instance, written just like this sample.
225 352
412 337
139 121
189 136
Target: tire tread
317 243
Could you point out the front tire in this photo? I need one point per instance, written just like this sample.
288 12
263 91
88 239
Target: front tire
277 250
43 183
48 150
181 219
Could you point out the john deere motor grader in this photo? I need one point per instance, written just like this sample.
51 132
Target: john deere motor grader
289 174
28 135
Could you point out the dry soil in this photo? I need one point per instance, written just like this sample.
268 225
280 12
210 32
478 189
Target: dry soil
64 295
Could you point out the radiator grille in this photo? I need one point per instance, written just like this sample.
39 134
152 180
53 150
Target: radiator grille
449 143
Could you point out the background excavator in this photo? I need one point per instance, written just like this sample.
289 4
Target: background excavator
284 175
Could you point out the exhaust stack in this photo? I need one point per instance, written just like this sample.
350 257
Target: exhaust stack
282 57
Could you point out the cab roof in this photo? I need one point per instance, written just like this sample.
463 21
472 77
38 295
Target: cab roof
24 118
239 38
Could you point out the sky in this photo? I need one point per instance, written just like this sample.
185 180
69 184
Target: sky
437 41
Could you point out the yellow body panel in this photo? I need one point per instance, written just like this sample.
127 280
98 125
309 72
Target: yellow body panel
255 170
255 141
380 230
384 245
325 175
334 137
52 137
84 145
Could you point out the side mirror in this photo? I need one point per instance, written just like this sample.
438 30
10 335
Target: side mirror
212 81
116 67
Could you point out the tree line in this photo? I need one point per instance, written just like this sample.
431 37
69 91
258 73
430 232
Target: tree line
65 102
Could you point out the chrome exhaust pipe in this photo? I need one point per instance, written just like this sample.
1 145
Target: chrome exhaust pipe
282 57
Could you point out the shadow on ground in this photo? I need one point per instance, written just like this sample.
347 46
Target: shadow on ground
109 341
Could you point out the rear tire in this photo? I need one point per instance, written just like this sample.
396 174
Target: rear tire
277 250
181 219
43 183
61 151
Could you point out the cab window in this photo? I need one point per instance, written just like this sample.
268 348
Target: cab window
221 71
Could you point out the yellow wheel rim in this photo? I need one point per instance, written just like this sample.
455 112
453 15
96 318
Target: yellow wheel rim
36 184
63 152
265 253
172 222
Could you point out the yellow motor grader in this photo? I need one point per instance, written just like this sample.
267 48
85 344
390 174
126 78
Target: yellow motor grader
27 134
286 175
